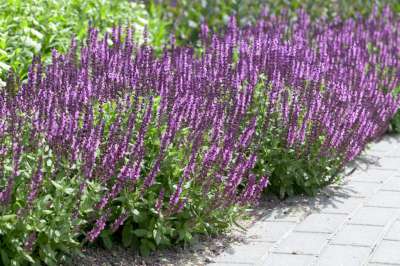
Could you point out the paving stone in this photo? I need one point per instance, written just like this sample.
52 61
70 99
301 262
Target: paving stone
288 260
360 235
303 243
377 152
385 145
334 255
372 175
388 199
395 152
387 252
392 184
250 252
321 223
373 216
388 163
270 231
287 214
394 231
339 205
360 189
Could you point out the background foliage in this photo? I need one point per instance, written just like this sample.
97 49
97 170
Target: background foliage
186 16
32 27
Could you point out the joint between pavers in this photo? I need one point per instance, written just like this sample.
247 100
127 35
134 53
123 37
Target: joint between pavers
349 245
232 262
383 207
333 212
372 225
391 239
279 221
367 181
390 190
261 241
383 169
385 263
311 232
294 253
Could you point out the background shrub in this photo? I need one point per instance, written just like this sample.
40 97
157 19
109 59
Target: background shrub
31 27
185 17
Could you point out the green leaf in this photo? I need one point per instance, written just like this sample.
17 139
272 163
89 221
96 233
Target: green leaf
29 42
146 246
36 33
157 236
57 185
127 235
4 257
141 232
106 239
28 257
144 250
4 66
8 218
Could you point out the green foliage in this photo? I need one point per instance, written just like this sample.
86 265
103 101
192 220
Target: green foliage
186 16
29 27
303 168
48 220
395 124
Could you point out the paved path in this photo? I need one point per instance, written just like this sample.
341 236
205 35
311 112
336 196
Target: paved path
356 223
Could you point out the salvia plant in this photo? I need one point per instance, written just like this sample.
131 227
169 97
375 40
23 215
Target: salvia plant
125 144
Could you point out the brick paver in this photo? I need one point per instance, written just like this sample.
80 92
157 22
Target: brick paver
359 224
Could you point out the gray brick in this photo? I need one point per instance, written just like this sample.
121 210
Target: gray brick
360 235
270 231
392 184
250 252
303 243
387 252
334 255
386 145
360 189
389 199
372 175
395 152
287 214
388 163
373 216
321 222
394 231
288 260
339 205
